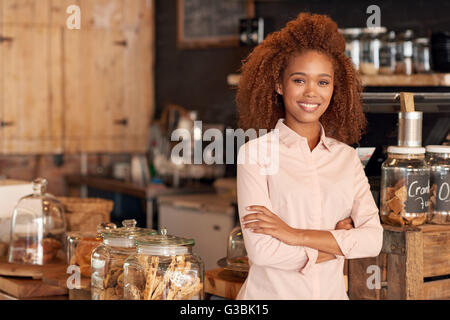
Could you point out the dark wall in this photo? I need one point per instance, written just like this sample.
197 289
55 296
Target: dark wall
196 79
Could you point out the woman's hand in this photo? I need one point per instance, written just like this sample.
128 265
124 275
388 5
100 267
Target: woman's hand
345 224
266 222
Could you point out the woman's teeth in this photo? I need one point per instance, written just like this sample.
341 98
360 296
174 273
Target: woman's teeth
309 105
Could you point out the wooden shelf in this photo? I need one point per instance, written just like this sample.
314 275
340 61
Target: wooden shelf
415 80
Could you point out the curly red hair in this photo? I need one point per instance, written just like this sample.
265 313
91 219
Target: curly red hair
259 105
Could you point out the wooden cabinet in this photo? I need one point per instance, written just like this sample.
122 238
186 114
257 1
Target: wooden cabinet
108 81
25 12
86 90
93 86
31 100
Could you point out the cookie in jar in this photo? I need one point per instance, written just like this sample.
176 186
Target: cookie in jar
405 187
164 268
80 246
107 260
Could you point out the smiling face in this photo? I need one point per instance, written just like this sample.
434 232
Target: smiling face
307 87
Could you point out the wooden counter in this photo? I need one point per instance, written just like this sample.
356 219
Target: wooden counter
128 188
222 283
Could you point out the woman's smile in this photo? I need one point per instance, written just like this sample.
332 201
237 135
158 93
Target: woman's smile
309 107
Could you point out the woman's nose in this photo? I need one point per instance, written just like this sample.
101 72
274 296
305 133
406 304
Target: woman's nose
310 91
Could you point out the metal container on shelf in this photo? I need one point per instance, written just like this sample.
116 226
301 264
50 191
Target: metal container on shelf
370 50
438 158
410 129
405 186
107 260
163 268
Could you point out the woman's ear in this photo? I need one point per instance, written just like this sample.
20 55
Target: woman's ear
278 89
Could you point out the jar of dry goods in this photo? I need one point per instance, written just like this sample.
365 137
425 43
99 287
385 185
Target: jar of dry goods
421 55
404 53
107 260
81 244
370 50
405 186
438 158
163 268
352 44
387 53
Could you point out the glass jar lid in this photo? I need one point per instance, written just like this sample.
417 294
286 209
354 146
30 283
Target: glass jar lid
438 149
407 34
351 31
424 41
375 31
389 36
406 150
164 244
124 236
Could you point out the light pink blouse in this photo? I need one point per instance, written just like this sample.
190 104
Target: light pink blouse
308 190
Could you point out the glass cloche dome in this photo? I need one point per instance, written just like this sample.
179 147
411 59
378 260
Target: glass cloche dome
237 259
38 227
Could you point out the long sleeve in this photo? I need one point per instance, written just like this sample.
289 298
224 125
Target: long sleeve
366 239
264 250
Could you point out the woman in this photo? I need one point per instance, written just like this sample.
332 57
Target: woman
303 219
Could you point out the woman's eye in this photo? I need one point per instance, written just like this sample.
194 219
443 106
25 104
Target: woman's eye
324 83
299 81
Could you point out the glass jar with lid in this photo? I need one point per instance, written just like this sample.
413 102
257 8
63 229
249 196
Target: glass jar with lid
404 53
370 50
421 55
237 259
352 44
405 186
438 158
387 53
38 227
107 260
163 268
80 245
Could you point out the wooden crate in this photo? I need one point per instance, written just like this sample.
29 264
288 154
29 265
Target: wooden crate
414 264
222 283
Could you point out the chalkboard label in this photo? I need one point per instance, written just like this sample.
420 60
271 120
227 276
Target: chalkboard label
418 188
385 57
442 182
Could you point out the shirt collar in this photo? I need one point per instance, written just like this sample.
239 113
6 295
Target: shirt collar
289 137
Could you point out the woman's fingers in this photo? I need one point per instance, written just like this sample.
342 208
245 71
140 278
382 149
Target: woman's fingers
346 224
257 225
267 231
260 208
256 216
346 220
